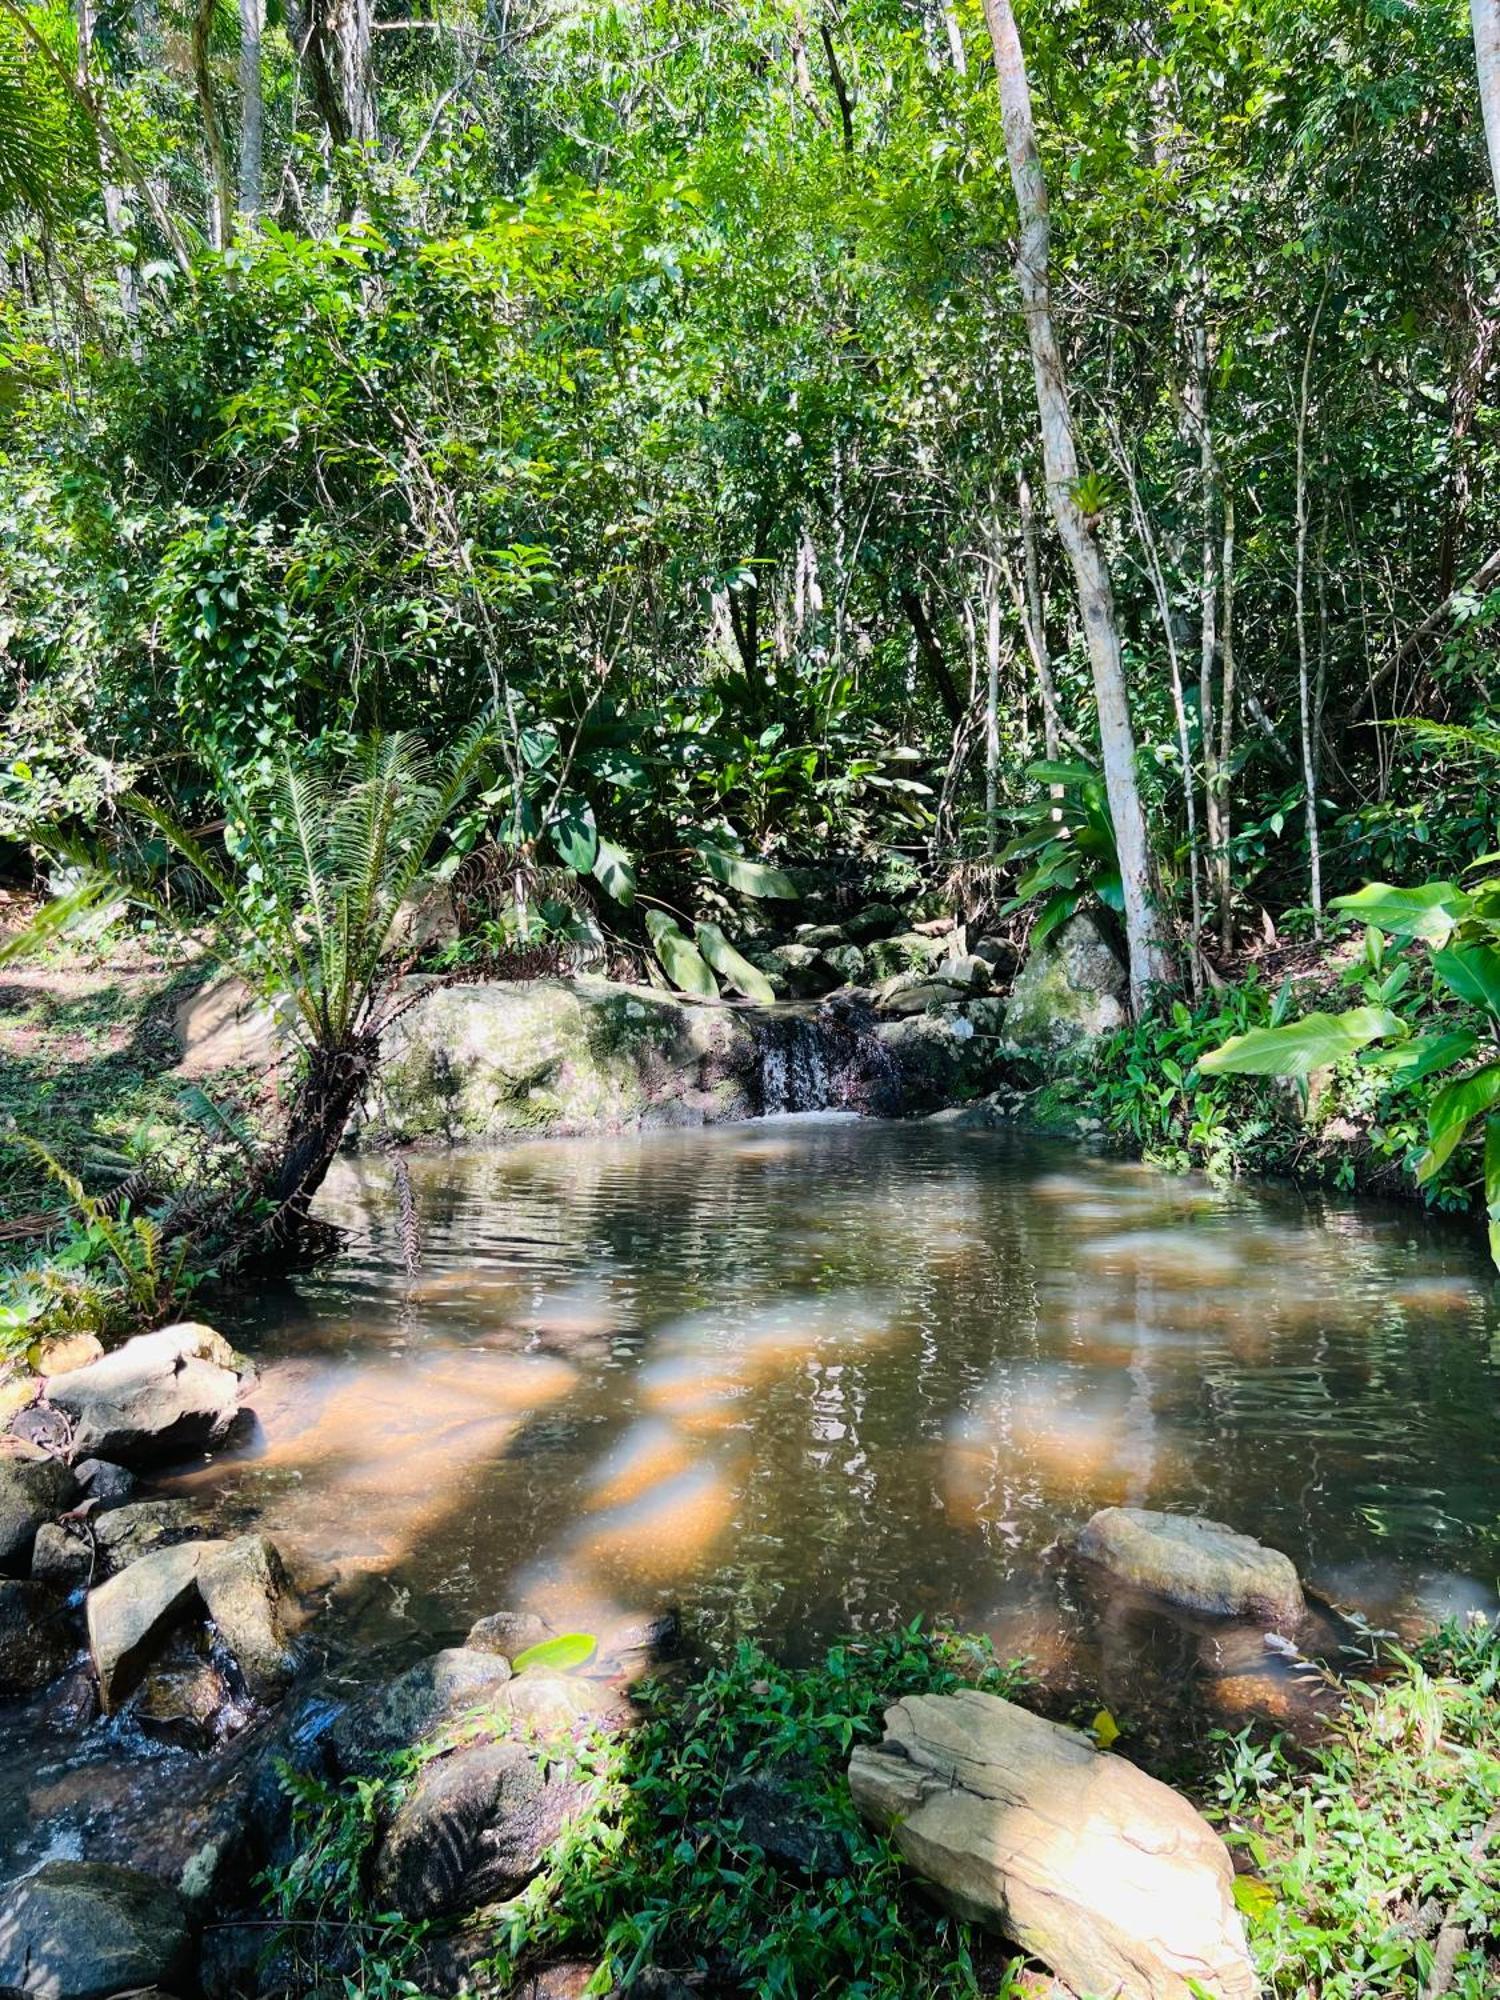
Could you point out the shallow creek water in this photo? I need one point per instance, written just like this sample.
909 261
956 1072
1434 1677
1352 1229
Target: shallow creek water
817 1374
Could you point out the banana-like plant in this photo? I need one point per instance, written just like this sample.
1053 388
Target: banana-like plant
300 898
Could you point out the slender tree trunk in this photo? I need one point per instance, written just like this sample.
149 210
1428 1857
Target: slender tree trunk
957 54
334 39
1208 636
1304 677
221 212
933 658
1485 15
1224 867
991 699
252 108
115 220
1035 621
1149 960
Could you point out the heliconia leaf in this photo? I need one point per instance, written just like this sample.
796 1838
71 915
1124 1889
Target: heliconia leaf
1424 1057
1301 1046
680 957
1054 916
1106 1729
574 834
1453 1111
615 870
1473 973
731 967
751 878
1429 911
561 1655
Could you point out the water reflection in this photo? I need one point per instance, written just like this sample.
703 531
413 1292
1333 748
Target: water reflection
817 1373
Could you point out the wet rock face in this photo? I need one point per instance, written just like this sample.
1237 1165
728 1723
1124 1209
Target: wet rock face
80 1930
1202 1565
474 1828
157 1397
1070 991
34 1642
405 1712
34 1488
131 1616
1113 1880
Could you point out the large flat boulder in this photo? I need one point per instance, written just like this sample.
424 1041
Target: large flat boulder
1202 1565
1113 1880
84 1930
158 1397
1072 989
489 1062
34 1488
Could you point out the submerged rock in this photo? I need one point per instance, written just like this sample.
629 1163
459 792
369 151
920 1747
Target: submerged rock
34 1488
157 1397
1202 1565
84 1930
1071 990
1113 1880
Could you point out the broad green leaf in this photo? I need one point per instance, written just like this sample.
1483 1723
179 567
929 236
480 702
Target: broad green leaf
1301 1046
1106 1729
1429 911
751 878
1060 772
1492 1184
1414 1060
615 869
574 834
1054 916
680 957
1453 1111
562 1654
738 972
1473 973
538 748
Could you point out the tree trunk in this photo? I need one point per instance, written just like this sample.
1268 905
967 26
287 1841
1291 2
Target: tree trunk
1149 961
1035 620
930 651
1304 676
221 211
334 39
252 107
1485 15
1224 883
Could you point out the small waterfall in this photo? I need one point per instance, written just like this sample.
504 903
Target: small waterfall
825 1060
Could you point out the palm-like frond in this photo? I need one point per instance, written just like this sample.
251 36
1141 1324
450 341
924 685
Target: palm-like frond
41 144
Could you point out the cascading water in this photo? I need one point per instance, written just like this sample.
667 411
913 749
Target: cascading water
827 1060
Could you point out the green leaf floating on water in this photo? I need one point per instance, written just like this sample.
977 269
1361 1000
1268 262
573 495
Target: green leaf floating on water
731 967
751 878
1301 1046
562 1654
680 957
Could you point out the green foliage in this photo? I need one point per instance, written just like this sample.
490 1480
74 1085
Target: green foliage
1363 1848
1067 842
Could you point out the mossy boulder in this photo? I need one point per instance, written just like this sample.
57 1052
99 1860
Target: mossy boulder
1071 990
483 1063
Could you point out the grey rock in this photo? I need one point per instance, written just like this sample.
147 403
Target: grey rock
1202 1565
34 1642
848 961
111 1485
184 1698
969 973
245 1590
651 1636
806 971
908 951
157 1397
412 1708
474 1828
920 997
820 936
126 1533
33 1488
507 1632
1071 990
1000 955
1110 1878
131 1615
63 1556
80 1930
